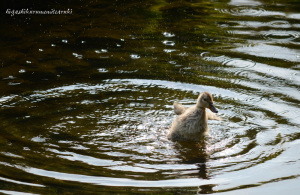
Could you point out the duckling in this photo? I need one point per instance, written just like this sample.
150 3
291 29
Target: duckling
191 124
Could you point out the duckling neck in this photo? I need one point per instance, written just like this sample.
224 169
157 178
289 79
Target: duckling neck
200 124
203 116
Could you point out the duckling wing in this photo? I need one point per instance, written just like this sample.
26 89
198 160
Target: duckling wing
212 116
179 108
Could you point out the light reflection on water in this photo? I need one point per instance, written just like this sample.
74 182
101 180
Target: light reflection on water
269 51
95 110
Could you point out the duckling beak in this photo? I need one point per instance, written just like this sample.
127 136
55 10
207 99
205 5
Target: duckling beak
212 107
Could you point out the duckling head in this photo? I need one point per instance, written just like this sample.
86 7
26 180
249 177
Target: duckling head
205 100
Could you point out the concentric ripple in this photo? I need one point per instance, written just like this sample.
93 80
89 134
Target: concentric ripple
115 134
244 11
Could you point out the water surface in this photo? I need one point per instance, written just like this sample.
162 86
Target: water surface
86 99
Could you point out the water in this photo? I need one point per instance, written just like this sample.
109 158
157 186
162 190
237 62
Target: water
86 99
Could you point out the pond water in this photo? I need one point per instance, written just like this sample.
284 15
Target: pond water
87 98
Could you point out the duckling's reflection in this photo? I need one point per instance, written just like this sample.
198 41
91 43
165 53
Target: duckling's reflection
196 153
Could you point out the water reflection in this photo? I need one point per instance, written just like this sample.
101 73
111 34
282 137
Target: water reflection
194 153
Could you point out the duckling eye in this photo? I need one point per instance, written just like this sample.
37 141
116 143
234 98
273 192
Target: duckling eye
205 99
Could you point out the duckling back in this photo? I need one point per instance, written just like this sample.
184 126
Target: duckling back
191 125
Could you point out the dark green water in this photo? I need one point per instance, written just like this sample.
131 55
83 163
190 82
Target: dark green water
86 98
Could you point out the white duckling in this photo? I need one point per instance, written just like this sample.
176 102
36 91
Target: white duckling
191 124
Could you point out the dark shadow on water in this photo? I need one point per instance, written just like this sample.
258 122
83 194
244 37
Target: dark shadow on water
206 189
